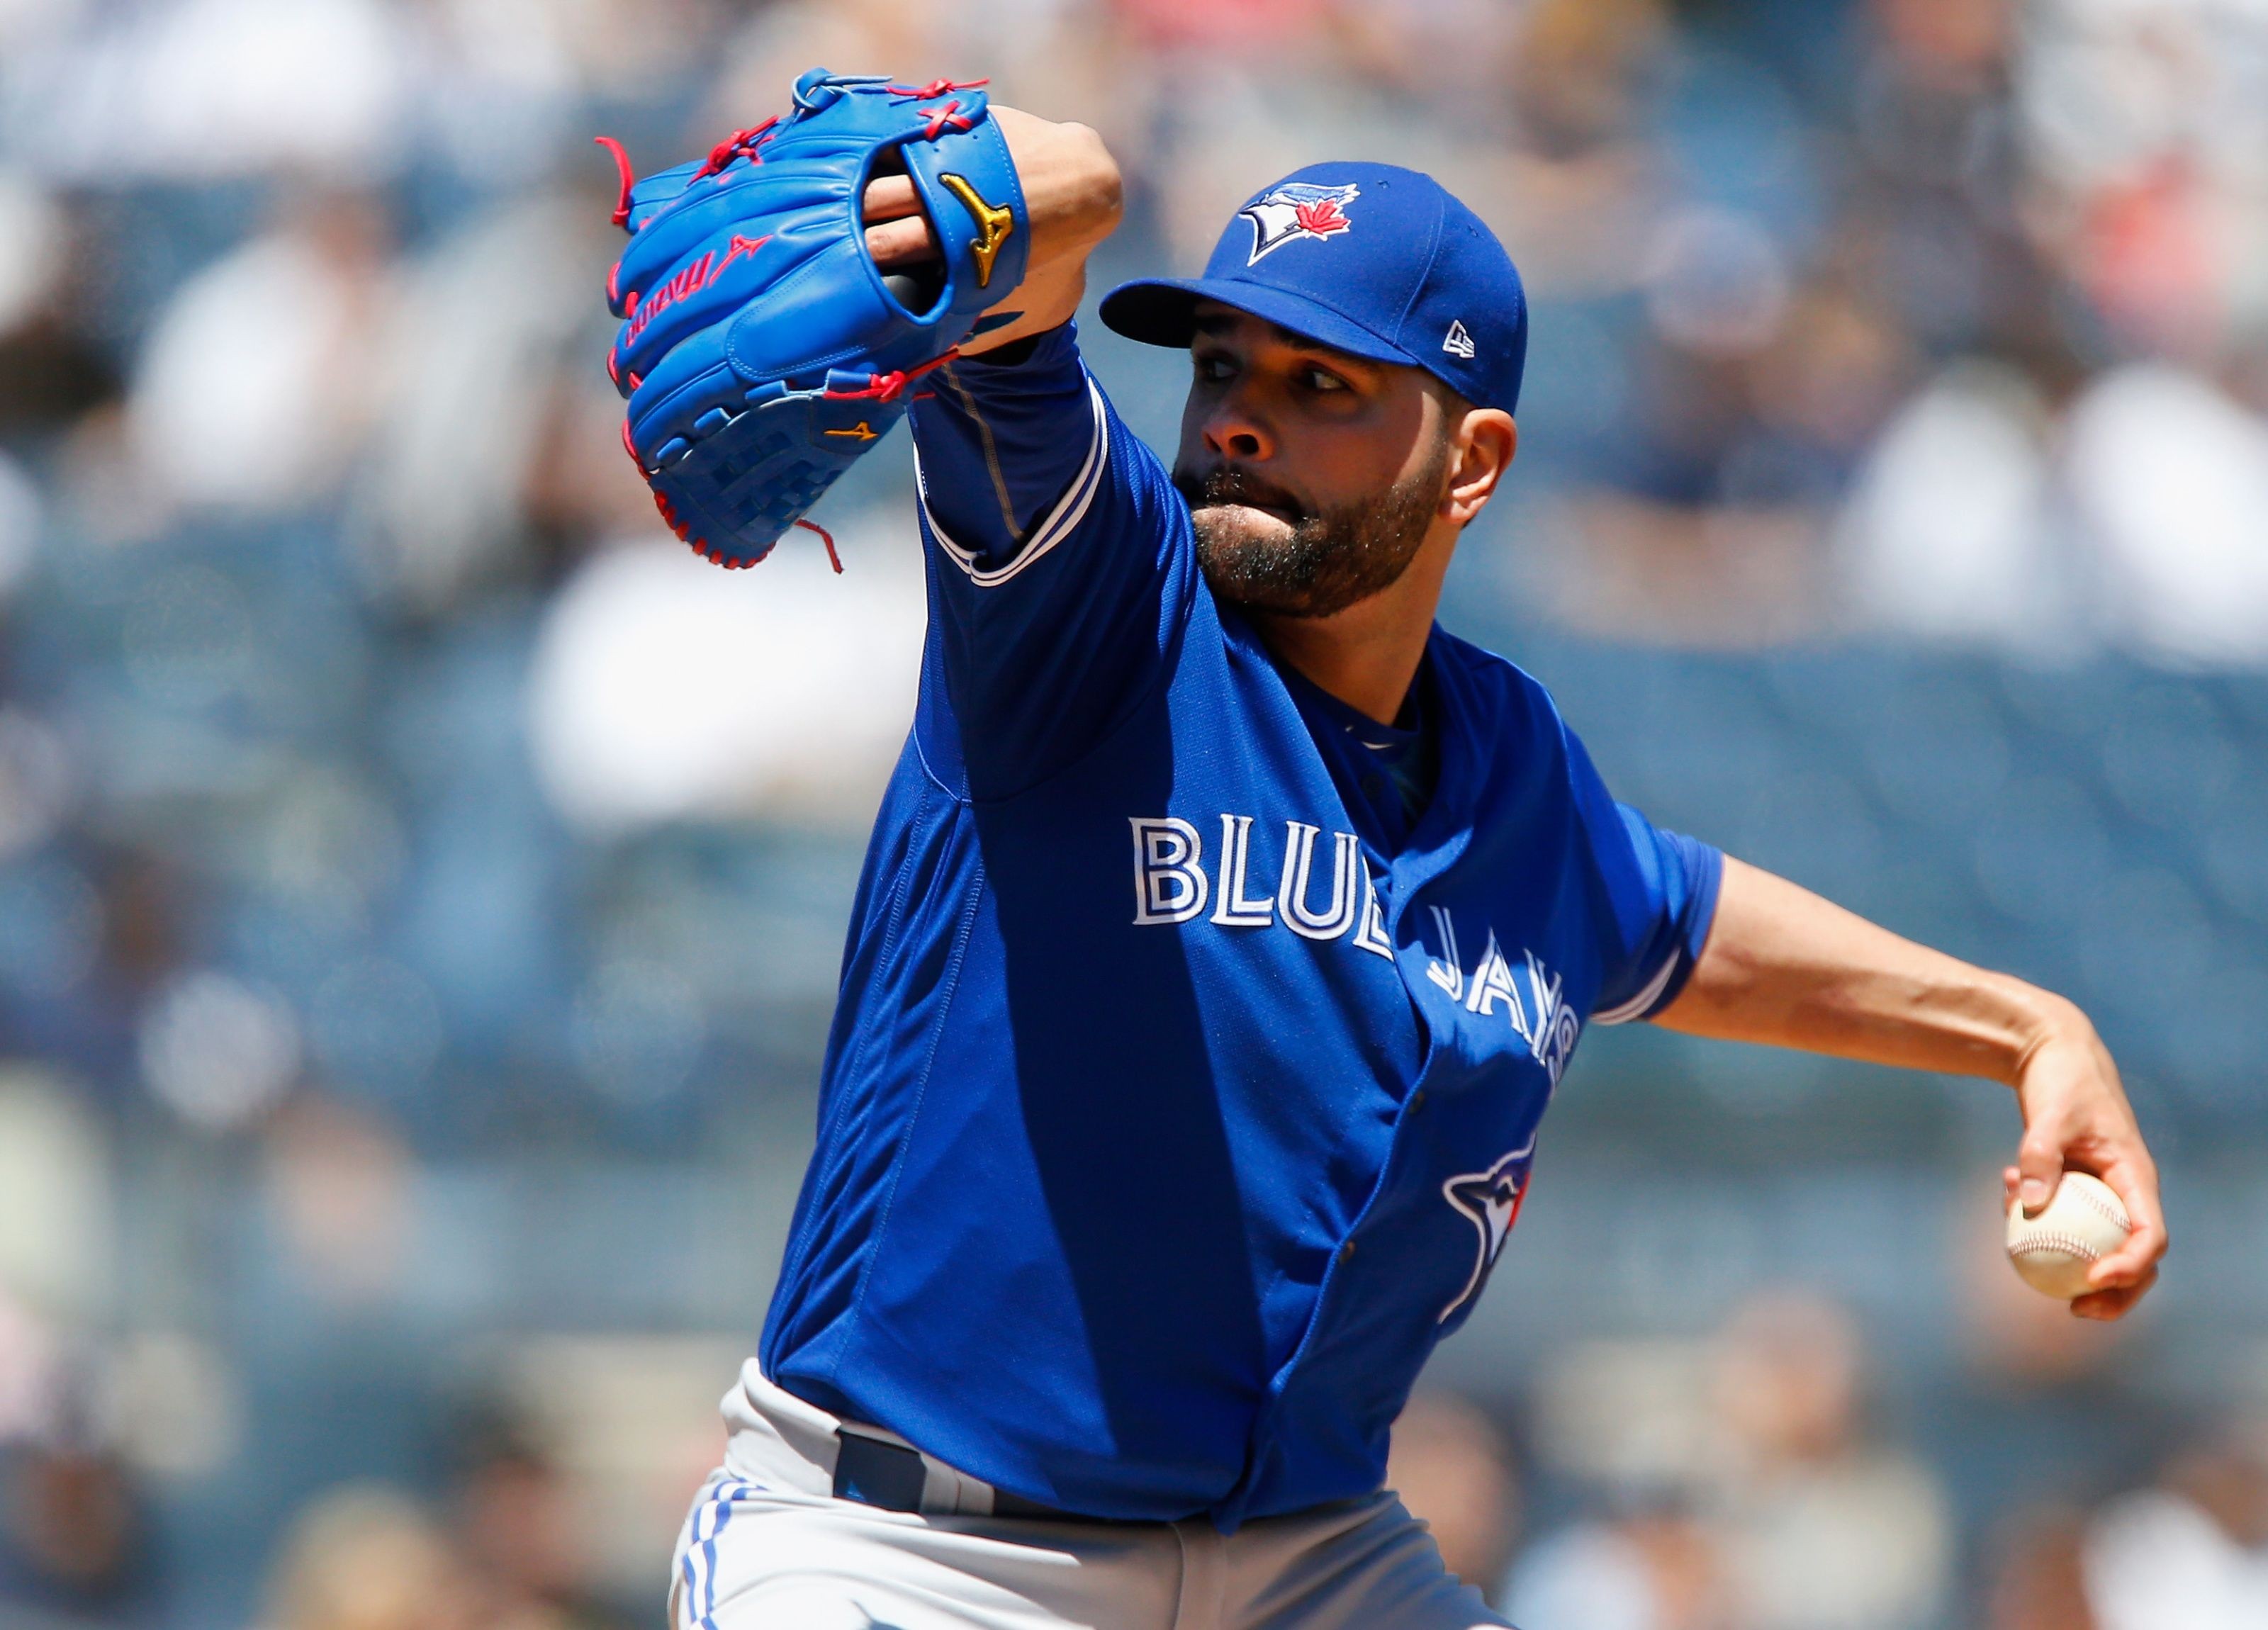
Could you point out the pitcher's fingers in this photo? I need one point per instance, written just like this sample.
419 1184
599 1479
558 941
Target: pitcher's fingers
2140 1254
901 243
2130 1261
889 198
2113 1304
2039 1162
2135 1184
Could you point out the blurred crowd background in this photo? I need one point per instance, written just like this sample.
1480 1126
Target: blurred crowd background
422 881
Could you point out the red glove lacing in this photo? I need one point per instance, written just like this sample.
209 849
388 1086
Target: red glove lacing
885 387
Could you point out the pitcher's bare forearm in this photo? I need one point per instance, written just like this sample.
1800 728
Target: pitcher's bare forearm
1786 968
1071 193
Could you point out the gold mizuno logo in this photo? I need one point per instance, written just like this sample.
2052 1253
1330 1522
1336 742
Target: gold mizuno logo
864 431
993 225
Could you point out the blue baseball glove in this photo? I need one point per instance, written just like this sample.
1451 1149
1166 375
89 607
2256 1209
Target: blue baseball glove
761 349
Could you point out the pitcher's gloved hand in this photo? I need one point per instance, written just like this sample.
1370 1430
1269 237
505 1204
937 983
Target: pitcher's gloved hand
763 349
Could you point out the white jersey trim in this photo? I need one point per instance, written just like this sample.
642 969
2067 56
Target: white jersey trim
1070 509
1636 1007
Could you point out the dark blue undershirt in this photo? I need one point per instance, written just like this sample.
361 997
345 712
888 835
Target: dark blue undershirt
1384 772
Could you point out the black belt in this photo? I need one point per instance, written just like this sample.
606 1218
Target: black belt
891 1477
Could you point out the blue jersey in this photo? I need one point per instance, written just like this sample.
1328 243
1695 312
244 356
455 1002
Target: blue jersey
1178 1099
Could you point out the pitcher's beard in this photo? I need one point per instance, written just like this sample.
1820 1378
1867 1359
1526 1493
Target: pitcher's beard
1317 561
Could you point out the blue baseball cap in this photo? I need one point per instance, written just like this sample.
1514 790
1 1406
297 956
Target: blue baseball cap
1369 259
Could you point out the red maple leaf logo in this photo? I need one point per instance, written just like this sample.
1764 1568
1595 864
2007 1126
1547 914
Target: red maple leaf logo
1321 217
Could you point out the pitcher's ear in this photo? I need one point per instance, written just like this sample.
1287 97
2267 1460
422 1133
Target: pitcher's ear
1488 439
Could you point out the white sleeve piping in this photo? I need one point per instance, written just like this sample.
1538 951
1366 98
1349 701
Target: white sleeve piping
1623 1013
1070 509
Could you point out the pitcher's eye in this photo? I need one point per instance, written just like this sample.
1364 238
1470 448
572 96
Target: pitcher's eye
1214 368
1319 380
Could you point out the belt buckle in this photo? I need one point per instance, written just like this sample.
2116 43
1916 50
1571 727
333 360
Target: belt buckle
894 1477
888 1476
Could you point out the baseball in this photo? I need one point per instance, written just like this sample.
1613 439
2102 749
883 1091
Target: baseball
2082 1221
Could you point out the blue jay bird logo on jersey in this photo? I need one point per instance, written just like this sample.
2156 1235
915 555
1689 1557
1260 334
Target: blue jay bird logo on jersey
1294 210
1489 1201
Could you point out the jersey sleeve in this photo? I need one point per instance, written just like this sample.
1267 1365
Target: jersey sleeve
1657 897
1060 564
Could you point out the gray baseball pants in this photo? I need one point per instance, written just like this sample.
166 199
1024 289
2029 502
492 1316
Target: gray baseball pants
769 1546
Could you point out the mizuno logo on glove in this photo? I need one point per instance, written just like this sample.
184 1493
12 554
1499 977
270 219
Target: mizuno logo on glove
691 281
993 225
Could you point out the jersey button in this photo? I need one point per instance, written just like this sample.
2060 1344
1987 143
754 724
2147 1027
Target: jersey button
1418 1100
1346 1251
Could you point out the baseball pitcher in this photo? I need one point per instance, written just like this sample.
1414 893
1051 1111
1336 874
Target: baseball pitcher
1227 924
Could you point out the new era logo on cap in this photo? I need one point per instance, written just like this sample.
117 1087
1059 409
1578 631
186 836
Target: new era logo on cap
1458 342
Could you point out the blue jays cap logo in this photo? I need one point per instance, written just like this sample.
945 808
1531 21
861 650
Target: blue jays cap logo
1296 209
1489 1201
